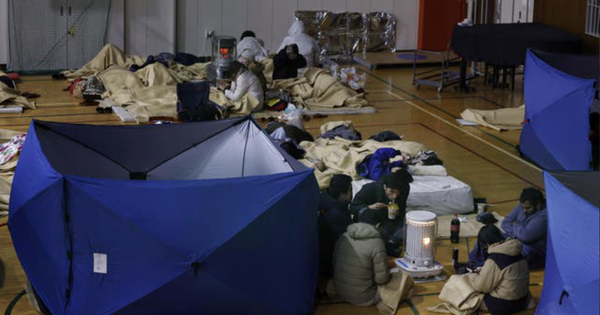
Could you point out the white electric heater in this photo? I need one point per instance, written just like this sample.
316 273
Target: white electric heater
419 260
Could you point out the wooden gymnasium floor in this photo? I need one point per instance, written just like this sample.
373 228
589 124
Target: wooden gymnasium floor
485 159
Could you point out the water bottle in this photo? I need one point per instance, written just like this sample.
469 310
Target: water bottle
454 229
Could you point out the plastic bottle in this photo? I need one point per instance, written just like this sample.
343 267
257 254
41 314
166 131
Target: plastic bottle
455 229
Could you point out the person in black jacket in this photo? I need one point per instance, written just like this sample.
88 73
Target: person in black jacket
287 62
334 218
375 197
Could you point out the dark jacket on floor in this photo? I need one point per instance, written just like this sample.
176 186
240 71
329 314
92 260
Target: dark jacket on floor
372 193
286 68
333 220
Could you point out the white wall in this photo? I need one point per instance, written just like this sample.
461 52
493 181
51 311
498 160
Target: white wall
4 31
270 19
514 11
116 24
149 26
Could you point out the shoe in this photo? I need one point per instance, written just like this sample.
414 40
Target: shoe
466 22
93 88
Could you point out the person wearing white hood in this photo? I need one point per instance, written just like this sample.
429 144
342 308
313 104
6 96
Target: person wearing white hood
245 82
249 42
307 46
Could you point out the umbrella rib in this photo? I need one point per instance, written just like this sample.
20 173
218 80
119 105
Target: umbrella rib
86 146
127 220
195 144
553 103
37 196
245 147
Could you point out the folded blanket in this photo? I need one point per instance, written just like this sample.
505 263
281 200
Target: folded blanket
500 119
397 290
458 297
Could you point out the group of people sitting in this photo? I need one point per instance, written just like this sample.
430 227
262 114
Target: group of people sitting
356 238
297 52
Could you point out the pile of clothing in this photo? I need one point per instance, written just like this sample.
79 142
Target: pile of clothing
9 156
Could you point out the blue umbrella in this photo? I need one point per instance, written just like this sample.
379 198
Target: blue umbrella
201 218
556 126
571 280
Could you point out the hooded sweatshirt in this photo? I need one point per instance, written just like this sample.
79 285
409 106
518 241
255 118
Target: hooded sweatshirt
253 45
531 230
360 264
307 46
504 278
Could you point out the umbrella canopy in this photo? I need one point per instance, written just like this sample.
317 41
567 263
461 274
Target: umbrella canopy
571 284
224 222
557 105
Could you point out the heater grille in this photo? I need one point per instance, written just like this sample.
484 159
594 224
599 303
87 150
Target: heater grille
420 238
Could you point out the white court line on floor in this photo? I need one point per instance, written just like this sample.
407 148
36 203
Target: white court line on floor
374 91
465 131
53 104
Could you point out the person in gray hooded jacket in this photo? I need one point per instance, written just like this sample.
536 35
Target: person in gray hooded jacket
360 264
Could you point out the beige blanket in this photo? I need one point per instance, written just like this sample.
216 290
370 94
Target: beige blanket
108 56
397 290
500 119
334 124
12 98
151 91
241 107
341 156
319 89
458 297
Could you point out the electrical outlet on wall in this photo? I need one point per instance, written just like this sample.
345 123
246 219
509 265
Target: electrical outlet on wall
209 33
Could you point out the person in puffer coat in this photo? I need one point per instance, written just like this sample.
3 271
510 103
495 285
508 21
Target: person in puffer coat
504 278
360 264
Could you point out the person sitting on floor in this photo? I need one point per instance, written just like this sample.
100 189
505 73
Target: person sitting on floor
248 41
360 263
287 62
245 82
247 59
375 197
504 277
527 223
334 218
307 46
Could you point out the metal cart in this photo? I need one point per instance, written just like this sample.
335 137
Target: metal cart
438 77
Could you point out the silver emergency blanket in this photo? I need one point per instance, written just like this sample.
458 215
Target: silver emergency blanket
339 35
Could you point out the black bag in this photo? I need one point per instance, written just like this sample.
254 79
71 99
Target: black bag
193 102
